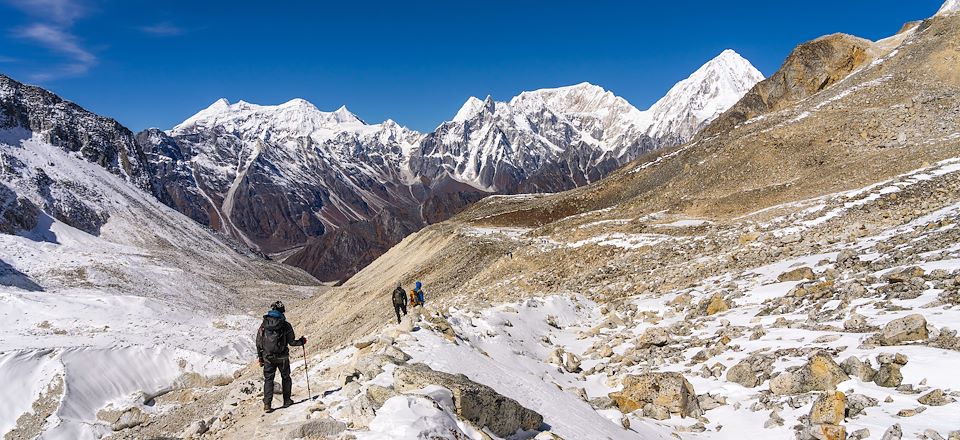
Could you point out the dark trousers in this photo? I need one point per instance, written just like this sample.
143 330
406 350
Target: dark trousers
270 367
397 308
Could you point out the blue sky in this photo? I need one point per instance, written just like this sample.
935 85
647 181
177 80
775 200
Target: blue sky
155 63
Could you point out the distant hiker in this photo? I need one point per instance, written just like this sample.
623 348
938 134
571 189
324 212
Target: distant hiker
413 299
399 302
418 292
273 338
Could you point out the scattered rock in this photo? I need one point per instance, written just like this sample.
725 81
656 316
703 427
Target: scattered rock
323 428
906 329
829 409
893 433
569 361
903 275
889 374
910 412
475 402
853 366
716 305
774 421
820 373
857 323
667 390
857 403
379 394
196 429
800 273
130 418
654 337
936 398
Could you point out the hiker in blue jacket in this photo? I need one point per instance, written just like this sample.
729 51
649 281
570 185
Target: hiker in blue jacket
418 292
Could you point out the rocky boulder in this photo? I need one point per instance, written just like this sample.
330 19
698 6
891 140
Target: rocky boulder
889 373
906 329
654 337
936 398
855 367
798 274
820 373
656 393
826 417
475 402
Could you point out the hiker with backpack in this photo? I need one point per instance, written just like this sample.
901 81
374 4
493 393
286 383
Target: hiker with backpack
274 337
399 302
418 293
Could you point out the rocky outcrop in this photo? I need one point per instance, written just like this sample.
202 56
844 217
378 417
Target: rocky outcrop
66 125
475 402
16 213
810 68
659 395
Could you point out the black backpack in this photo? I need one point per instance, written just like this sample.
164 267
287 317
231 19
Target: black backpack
273 339
399 296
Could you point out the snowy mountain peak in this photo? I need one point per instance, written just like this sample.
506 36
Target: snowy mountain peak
468 109
949 7
708 92
294 118
473 107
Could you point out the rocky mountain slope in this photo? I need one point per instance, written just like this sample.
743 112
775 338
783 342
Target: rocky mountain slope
105 291
328 192
791 276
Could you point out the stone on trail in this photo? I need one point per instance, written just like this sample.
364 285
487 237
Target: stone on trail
323 428
478 403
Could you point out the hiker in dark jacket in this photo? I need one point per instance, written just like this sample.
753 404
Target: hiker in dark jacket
273 338
399 301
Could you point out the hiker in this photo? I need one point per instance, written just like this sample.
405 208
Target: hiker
413 299
273 338
418 292
399 302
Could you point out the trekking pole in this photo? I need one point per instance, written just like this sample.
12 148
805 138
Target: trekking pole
306 370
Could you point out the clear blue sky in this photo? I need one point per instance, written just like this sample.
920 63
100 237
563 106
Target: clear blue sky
155 63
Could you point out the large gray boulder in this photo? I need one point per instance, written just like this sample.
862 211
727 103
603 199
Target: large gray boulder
478 403
658 392
820 373
906 329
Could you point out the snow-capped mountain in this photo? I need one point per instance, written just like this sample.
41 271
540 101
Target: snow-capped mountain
696 101
554 139
329 192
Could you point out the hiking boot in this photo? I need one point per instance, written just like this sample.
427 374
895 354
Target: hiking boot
267 408
287 403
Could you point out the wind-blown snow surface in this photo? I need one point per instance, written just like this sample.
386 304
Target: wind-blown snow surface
116 315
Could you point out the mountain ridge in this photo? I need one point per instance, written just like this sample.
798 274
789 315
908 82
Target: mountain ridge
278 177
